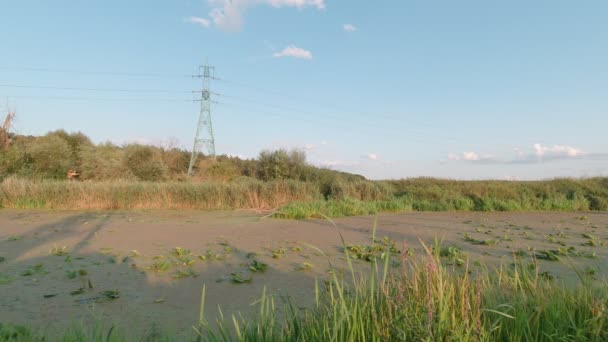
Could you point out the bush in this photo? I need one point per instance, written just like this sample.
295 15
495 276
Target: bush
281 164
15 161
103 162
144 162
176 161
597 203
223 170
51 157
77 141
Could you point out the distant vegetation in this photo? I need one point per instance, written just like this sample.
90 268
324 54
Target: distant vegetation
49 157
33 175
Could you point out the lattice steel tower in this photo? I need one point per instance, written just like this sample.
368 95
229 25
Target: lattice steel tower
204 140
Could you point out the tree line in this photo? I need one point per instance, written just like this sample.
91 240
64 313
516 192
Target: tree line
51 156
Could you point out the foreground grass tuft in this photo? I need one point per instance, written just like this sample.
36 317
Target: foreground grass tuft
430 301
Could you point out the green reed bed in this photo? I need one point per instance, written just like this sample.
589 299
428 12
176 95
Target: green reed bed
299 199
488 195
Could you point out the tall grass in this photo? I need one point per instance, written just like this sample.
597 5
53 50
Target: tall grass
50 194
430 194
556 194
297 199
427 301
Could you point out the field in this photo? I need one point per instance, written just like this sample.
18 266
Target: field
145 270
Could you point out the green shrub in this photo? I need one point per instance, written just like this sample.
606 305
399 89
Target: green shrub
144 162
51 157
597 202
281 164
76 141
103 162
223 170
15 161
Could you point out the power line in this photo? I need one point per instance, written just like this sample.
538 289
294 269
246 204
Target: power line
135 91
91 72
349 121
350 126
292 109
361 128
340 120
348 111
366 128
238 98
96 98
97 89
154 91
239 84
309 100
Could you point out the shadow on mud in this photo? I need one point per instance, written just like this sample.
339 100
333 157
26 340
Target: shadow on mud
56 275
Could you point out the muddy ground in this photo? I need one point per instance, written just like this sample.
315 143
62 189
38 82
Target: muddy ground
139 268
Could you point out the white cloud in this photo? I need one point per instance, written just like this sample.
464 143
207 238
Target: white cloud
320 4
228 15
295 52
371 156
470 156
227 18
349 27
540 153
557 151
199 21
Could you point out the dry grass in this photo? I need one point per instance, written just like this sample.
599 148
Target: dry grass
49 194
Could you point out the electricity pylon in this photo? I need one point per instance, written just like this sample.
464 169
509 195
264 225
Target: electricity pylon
204 140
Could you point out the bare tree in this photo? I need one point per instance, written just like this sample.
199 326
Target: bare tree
5 138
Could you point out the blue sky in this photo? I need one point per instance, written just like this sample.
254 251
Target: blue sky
391 89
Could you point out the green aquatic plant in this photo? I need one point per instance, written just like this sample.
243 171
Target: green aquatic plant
453 255
305 266
240 278
257 266
485 242
179 274
36 269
